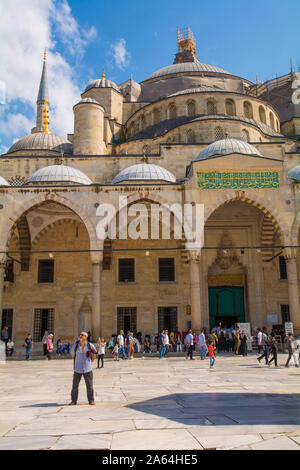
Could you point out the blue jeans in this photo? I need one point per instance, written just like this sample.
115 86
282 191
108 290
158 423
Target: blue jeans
212 361
28 351
162 351
203 352
123 352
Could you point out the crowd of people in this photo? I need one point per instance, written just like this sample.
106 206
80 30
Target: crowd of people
232 340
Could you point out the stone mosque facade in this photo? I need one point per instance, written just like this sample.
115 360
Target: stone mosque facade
188 133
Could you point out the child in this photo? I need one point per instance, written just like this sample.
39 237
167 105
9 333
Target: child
116 352
101 351
211 354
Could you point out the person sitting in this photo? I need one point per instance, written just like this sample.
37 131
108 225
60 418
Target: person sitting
10 347
66 346
59 347
111 344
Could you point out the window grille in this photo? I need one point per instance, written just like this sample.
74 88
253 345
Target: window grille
219 133
211 109
43 320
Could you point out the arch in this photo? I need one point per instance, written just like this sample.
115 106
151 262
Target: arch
230 107
191 108
42 199
245 135
272 123
262 114
172 111
248 111
211 107
156 115
269 209
47 228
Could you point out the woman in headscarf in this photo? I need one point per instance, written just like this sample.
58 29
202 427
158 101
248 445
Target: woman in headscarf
243 345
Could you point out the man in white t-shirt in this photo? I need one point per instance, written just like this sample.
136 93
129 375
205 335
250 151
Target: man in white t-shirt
259 339
189 343
167 342
202 343
120 340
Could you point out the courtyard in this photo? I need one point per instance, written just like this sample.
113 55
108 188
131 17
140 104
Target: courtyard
152 404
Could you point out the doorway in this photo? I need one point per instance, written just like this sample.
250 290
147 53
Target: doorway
226 305
126 319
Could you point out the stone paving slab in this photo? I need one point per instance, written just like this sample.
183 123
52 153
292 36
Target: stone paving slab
151 404
278 443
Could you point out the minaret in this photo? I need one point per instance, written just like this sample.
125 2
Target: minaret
42 101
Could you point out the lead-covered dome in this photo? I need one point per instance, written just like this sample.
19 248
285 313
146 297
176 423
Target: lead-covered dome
59 174
42 141
102 83
3 182
144 172
185 67
294 173
227 147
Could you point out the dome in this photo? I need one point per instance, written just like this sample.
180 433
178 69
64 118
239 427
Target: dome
144 172
294 174
3 182
42 141
102 83
201 89
183 67
59 174
227 147
88 100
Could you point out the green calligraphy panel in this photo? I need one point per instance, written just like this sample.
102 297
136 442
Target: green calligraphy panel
238 179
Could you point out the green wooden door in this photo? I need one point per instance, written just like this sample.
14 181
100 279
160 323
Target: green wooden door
226 302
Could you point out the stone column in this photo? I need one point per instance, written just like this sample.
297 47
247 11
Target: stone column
96 296
3 258
194 264
292 277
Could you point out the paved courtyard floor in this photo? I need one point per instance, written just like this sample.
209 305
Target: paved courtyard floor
152 404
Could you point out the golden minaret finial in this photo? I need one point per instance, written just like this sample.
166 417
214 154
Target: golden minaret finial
45 54
46 121
103 74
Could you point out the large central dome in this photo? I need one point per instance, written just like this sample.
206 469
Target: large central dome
189 67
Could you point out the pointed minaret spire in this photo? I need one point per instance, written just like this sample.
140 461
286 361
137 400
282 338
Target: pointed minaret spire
42 99
103 74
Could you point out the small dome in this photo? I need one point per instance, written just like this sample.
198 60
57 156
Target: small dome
294 173
102 83
42 141
3 182
227 147
88 100
144 172
184 67
59 174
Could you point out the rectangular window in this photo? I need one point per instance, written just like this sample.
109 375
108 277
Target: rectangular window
167 319
285 313
126 270
127 319
7 320
46 270
9 271
282 267
166 270
43 320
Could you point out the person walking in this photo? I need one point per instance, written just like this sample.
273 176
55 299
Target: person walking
237 341
162 345
167 342
4 336
274 350
259 340
101 351
44 341
49 345
116 352
28 343
120 340
83 354
211 354
243 350
189 344
291 351
265 345
131 345
203 346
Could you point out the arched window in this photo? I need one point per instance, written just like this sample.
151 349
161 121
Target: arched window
156 115
278 127
142 121
146 150
172 111
248 113
230 107
211 107
272 123
245 135
262 114
191 108
219 133
190 136
169 140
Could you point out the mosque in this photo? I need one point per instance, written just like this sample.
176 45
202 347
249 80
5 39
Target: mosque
188 133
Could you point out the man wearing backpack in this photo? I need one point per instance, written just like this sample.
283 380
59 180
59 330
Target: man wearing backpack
83 354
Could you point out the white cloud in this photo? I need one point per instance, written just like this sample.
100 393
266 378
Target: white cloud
120 54
27 27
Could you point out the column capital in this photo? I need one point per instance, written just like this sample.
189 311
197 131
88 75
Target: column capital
290 253
194 256
3 255
96 257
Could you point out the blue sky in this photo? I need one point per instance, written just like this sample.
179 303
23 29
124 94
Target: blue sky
130 37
